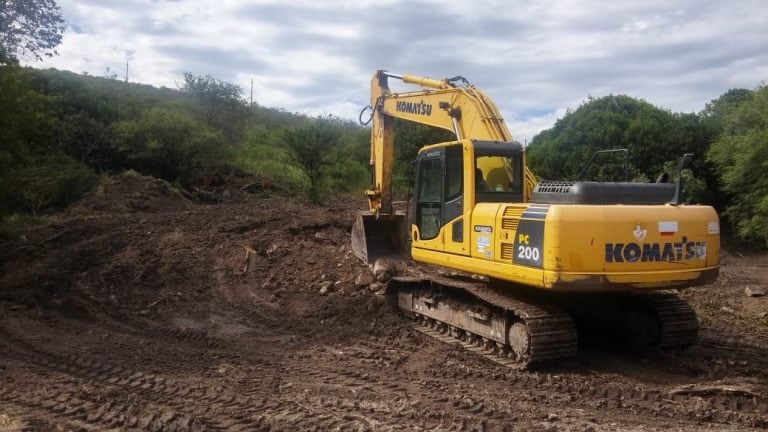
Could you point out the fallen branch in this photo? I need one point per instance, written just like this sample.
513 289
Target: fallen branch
709 390
154 303
248 251
49 239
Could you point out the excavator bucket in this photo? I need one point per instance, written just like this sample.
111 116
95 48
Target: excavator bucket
378 237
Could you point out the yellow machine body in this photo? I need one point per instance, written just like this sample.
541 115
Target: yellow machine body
483 217
579 248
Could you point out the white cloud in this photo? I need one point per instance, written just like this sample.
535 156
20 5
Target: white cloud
535 59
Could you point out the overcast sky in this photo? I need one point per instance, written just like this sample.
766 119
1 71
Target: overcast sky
534 58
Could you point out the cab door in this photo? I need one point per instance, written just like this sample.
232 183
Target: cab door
439 200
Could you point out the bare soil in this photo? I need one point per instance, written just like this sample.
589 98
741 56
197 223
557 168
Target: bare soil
142 309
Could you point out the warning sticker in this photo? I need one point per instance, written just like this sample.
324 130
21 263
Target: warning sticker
713 228
483 244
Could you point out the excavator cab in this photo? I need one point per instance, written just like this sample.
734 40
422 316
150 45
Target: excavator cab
450 179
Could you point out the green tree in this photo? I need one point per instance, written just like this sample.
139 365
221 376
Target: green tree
709 124
349 172
653 137
24 120
29 27
714 114
312 148
219 103
740 155
167 144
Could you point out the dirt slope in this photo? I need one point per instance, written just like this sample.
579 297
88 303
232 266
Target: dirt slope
140 309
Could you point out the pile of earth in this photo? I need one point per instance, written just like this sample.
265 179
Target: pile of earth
140 246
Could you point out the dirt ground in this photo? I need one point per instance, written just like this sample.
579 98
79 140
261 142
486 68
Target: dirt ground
141 308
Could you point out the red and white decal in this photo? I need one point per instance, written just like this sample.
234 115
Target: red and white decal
668 228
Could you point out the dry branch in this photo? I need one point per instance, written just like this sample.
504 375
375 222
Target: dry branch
156 302
248 251
40 243
709 390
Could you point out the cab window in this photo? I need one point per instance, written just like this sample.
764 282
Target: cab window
498 178
453 173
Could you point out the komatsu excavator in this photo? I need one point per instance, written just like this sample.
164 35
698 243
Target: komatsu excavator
530 258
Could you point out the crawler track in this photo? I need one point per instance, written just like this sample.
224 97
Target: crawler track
545 333
479 349
679 327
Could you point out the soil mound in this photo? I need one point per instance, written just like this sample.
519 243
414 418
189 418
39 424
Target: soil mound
131 192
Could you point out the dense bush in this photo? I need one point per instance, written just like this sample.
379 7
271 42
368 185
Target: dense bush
167 144
108 125
653 137
741 157
51 182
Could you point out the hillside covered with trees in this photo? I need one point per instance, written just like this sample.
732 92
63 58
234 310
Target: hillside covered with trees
61 131
729 140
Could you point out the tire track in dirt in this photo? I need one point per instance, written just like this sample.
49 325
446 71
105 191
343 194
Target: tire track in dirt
210 407
591 390
161 346
215 407
356 380
370 378
122 323
68 375
347 398
91 412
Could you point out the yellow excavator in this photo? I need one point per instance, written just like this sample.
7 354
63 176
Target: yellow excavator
531 261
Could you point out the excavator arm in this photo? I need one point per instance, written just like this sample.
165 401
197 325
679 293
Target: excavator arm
451 104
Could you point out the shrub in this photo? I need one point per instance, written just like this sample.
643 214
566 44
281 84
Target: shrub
53 182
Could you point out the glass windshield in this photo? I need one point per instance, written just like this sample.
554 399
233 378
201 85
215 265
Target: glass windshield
498 174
